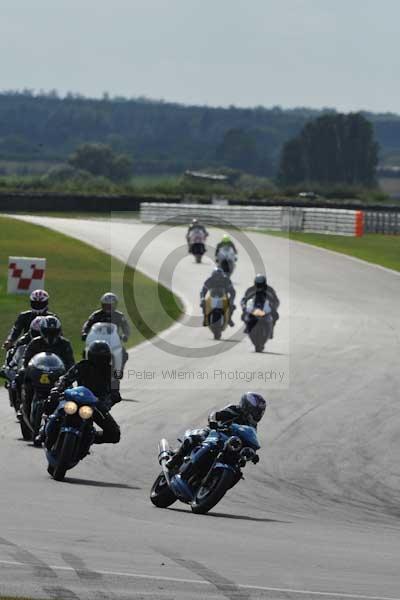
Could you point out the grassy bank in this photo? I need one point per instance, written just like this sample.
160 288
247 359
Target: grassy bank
375 248
77 275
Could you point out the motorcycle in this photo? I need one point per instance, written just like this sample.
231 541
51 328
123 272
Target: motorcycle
12 383
260 323
107 332
69 431
213 467
216 313
196 240
226 259
41 374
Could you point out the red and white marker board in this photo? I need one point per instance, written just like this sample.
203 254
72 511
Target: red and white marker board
25 274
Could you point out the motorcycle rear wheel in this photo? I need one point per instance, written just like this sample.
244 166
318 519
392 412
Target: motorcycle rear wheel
161 495
208 496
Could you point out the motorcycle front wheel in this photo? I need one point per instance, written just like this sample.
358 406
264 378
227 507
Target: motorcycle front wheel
66 456
26 432
209 495
161 495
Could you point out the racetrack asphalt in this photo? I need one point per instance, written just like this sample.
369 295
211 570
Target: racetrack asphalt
318 517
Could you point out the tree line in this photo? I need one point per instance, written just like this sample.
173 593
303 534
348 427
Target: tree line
160 136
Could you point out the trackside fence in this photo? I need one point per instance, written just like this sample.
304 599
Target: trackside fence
382 222
275 218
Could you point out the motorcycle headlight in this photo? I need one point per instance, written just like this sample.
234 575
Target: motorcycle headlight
85 412
234 444
70 407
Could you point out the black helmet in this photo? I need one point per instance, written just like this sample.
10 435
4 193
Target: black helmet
260 281
50 329
253 407
109 301
99 354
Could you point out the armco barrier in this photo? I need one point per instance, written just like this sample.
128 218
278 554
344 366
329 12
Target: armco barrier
382 222
278 218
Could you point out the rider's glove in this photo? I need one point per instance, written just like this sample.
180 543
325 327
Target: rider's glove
124 338
54 395
202 302
213 424
84 336
7 344
255 459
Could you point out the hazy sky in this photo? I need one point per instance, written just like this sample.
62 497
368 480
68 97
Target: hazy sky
339 53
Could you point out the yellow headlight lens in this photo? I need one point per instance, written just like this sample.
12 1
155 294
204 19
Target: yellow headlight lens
70 407
85 412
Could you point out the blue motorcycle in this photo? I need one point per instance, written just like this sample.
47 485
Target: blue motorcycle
69 431
213 467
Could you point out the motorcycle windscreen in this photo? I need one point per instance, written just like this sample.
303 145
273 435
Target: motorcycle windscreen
247 434
47 361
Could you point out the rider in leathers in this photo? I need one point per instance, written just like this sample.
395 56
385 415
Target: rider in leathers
195 225
108 313
96 374
218 283
39 300
261 292
50 340
249 411
226 242
24 340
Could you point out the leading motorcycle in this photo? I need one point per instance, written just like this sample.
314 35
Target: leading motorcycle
196 241
69 431
42 372
213 467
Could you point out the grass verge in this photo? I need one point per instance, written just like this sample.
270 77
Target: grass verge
375 248
77 275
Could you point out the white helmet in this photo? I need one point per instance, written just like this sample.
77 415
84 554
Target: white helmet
39 301
34 328
109 301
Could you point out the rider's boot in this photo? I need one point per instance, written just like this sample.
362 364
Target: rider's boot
98 437
177 458
40 437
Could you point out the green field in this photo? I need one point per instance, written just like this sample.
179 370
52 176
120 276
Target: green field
77 275
375 248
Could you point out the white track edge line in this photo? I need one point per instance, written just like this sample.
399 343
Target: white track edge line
204 582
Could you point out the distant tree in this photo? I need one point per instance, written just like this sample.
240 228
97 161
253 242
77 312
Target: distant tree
163 137
292 168
335 148
237 150
100 160
240 149
121 168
